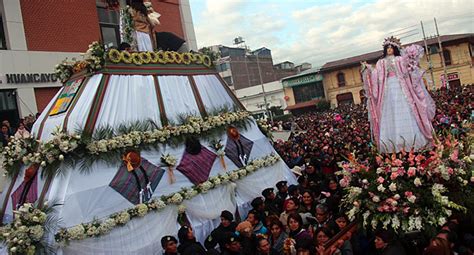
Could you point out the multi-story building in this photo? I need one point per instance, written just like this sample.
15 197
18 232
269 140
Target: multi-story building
35 35
303 91
253 97
343 82
242 69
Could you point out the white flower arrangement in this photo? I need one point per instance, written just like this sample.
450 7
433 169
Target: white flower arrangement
234 176
25 234
168 160
190 193
122 218
177 198
242 173
142 209
391 197
205 186
181 209
96 228
28 150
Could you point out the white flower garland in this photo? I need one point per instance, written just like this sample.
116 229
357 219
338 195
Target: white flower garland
29 151
26 232
98 228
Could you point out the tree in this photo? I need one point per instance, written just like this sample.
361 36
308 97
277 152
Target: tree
209 52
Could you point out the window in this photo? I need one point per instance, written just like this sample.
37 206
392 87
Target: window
223 67
3 45
447 57
341 80
109 21
308 92
433 49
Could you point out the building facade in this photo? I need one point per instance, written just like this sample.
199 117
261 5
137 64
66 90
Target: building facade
303 91
242 69
343 81
253 98
36 35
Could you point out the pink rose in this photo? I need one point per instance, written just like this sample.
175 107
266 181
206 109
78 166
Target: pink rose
454 155
401 171
380 179
411 172
386 208
397 162
394 175
406 210
408 193
379 160
450 171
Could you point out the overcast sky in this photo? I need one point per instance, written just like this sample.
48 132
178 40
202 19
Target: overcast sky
318 31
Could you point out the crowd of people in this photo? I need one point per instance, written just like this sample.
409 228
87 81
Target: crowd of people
23 130
302 218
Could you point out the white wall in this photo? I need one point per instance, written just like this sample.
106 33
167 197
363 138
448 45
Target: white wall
252 97
23 62
188 26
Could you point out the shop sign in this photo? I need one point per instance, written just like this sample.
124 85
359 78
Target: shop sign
17 78
301 80
451 76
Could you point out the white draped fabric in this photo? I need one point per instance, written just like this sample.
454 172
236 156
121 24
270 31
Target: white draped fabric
144 41
88 196
213 93
139 236
125 102
185 103
79 114
44 114
204 210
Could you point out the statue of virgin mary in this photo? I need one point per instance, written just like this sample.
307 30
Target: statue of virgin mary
400 107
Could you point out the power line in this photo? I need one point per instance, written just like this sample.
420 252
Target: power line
409 31
402 29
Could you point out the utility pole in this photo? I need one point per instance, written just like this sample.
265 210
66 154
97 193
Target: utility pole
442 56
263 90
428 57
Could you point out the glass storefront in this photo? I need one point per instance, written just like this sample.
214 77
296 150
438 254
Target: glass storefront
308 92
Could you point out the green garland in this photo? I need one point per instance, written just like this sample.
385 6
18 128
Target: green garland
127 27
98 228
109 144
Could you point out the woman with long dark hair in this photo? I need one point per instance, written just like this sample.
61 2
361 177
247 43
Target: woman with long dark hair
278 235
400 107
297 232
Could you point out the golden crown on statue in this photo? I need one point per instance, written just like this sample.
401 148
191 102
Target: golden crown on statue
392 41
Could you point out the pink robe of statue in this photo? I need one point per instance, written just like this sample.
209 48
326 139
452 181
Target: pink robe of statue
407 78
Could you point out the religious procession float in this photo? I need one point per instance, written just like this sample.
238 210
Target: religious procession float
130 143
138 141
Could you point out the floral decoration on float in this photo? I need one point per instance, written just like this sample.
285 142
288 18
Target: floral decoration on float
98 228
408 191
108 144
